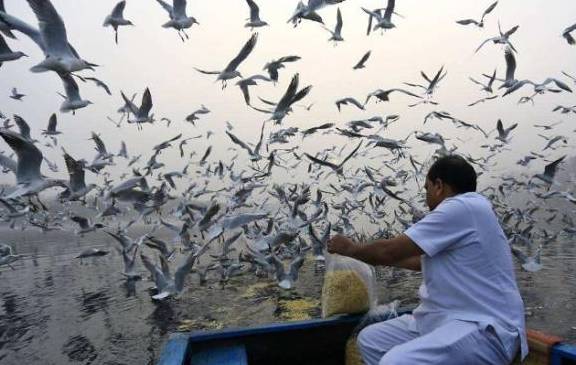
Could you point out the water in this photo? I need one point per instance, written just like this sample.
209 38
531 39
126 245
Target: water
55 309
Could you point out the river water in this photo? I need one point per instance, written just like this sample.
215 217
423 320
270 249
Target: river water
56 309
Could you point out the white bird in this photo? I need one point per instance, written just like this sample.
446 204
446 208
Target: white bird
85 225
550 171
140 114
503 38
479 24
255 20
528 263
77 187
16 95
383 22
29 179
51 37
72 99
230 71
337 32
503 133
250 81
347 101
165 284
178 18
6 54
116 19
51 129
254 153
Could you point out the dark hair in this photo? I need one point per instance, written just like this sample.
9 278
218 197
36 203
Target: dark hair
455 171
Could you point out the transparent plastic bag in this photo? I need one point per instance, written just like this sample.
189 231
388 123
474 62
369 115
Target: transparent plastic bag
348 287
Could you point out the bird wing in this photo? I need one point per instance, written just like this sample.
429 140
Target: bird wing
51 26
482 44
19 25
100 83
405 92
321 162
295 266
118 10
52 123
166 7
559 84
351 154
550 169
207 72
179 8
22 126
76 172
183 270
82 222
489 9
363 60
301 94
29 156
286 99
70 86
259 144
239 142
244 52
510 64
389 10
100 146
467 22
254 10
339 23
4 48
500 128
146 104
511 31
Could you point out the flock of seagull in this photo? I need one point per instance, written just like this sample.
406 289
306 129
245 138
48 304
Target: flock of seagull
229 218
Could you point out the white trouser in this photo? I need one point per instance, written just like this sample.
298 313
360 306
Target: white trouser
397 342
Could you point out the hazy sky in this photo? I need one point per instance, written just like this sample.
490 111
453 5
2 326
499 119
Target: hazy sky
426 38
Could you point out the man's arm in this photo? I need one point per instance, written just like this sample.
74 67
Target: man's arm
399 251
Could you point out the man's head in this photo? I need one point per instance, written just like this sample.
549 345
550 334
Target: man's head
448 176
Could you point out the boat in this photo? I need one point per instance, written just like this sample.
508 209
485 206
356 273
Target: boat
310 342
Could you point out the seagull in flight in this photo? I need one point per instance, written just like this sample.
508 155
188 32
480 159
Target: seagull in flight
503 38
244 84
383 22
6 54
230 71
362 61
178 18
272 67
141 114
16 95
72 100
255 20
479 24
337 32
346 101
384 95
336 168
254 153
550 171
60 56
116 19
503 133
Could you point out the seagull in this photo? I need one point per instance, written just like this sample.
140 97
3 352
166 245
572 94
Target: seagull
547 126
85 225
291 96
250 81
193 116
504 133
383 22
313 130
503 38
77 187
488 86
29 179
16 95
384 95
116 19
432 83
362 61
528 263
309 11
553 140
178 18
337 32
72 100
92 252
550 171
566 34
482 100
479 24
255 20
51 129
319 243
13 212
336 168
230 71
272 67
346 101
60 56
286 279
165 284
140 114
254 153
6 54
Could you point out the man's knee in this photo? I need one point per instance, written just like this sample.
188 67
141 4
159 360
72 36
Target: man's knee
397 357
366 337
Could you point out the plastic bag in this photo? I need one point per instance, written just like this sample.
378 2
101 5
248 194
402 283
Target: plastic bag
348 287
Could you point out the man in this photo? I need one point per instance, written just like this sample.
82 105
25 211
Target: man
471 311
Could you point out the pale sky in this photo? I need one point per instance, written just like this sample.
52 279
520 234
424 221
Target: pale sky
425 39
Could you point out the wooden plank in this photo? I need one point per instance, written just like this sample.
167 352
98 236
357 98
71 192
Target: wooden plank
174 352
221 355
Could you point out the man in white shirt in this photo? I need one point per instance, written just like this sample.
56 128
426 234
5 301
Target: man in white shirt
470 311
